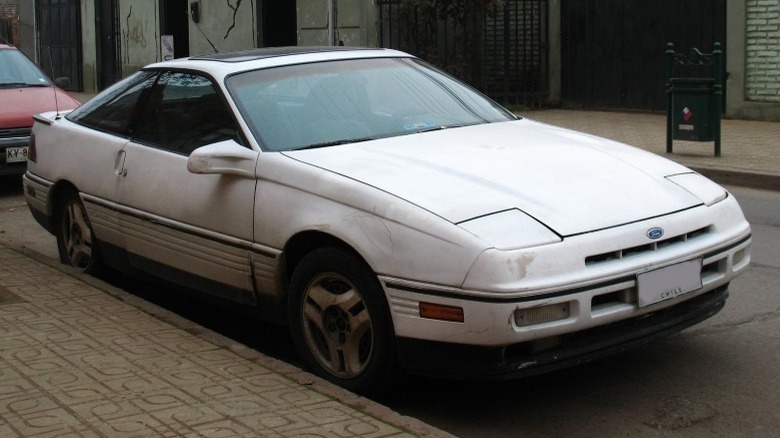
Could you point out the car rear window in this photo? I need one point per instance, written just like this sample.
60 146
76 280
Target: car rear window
112 110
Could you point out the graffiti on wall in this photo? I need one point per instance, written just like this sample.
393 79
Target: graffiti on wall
133 34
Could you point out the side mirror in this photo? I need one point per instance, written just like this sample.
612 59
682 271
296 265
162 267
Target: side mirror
63 82
226 157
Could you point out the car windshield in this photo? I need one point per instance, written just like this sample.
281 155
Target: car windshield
337 102
16 70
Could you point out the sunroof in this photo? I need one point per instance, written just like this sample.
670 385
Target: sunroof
270 52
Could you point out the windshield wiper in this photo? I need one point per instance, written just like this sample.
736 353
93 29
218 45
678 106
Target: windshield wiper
441 127
335 143
21 84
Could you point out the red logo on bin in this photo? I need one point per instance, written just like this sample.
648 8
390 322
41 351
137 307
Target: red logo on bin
687 114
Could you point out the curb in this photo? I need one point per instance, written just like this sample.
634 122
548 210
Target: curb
752 180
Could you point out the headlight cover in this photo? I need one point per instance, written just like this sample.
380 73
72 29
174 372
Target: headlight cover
510 229
707 191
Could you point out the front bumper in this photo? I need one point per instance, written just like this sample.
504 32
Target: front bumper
495 363
9 138
583 300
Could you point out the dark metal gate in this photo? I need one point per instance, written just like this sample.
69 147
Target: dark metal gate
499 48
59 39
613 50
516 51
109 53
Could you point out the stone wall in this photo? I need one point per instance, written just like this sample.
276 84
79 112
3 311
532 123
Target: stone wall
763 50
9 23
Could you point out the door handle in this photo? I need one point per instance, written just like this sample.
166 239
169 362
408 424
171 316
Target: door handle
119 165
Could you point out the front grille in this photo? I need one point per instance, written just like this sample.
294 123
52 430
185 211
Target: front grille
15 132
644 249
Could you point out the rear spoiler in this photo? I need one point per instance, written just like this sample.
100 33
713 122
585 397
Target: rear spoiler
46 118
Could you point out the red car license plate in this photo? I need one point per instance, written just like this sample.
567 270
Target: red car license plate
15 155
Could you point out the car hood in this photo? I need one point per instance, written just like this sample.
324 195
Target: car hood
20 104
571 182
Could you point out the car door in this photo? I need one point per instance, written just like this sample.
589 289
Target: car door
95 144
192 228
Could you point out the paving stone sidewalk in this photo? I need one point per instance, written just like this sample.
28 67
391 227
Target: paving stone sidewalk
750 153
81 358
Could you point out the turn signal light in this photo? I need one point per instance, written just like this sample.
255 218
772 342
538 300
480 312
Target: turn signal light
441 312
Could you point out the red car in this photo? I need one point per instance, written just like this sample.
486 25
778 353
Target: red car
25 90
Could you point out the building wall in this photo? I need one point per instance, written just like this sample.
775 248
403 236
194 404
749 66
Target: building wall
230 25
88 47
9 14
753 60
355 23
27 29
752 50
139 33
763 51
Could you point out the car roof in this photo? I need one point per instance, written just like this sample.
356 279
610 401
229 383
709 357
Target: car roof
269 52
221 64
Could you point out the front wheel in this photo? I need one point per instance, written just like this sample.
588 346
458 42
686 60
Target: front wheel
340 322
75 239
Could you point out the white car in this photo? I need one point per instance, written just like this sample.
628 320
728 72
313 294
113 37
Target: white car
391 215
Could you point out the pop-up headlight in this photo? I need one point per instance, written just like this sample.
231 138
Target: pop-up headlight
707 191
510 229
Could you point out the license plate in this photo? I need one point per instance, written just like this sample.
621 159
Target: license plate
669 282
15 155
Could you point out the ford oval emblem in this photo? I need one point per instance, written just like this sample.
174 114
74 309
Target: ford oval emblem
655 233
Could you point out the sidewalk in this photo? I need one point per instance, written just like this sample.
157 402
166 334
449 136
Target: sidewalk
750 150
79 357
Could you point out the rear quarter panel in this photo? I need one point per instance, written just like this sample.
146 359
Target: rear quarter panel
68 152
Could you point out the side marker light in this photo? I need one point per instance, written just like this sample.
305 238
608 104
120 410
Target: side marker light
441 312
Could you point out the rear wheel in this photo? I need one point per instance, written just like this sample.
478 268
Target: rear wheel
340 321
75 239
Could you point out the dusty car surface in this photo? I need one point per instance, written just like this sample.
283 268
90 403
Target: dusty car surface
24 91
391 215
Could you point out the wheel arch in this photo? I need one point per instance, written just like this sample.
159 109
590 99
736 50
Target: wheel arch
55 196
307 241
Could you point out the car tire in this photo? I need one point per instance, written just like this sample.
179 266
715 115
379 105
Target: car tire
75 238
340 321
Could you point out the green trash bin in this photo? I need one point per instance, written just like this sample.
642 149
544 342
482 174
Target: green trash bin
692 109
693 105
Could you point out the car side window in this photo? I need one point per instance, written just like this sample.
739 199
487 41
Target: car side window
113 110
183 113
